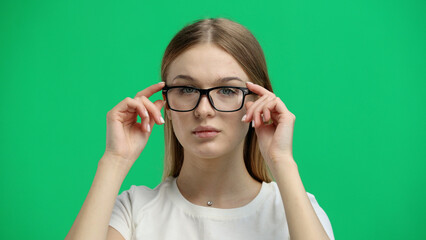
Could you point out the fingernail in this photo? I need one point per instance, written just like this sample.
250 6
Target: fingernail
244 118
161 120
146 113
252 123
161 82
148 128
250 83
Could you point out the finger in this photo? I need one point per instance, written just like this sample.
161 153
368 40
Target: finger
252 107
128 105
258 111
143 116
153 110
267 108
158 104
146 119
255 110
277 108
247 106
281 107
259 90
149 91
266 113
145 123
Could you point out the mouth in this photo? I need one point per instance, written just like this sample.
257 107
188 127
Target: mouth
205 132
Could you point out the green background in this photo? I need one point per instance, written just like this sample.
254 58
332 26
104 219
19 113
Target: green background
353 73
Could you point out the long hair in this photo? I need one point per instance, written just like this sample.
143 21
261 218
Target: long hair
240 43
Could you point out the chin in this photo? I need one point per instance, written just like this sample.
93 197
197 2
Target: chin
207 150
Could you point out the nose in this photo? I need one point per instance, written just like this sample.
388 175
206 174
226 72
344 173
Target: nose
204 108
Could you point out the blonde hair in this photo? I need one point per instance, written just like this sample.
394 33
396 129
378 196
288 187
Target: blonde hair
239 42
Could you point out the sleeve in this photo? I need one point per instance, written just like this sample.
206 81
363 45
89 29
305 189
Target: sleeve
322 216
121 217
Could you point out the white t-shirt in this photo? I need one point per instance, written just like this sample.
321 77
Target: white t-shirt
163 213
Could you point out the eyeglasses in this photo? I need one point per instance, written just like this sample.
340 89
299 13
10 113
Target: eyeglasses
223 98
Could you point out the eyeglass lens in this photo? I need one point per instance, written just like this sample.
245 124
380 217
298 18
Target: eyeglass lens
224 99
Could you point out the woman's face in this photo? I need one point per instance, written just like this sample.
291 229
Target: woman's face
205 65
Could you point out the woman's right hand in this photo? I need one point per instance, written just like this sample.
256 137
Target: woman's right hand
125 137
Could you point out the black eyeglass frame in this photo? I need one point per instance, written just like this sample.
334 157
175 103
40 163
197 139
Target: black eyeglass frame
206 92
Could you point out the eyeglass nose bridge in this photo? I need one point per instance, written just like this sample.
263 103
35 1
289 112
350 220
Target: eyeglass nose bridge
207 93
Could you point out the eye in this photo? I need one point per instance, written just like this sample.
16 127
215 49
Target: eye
187 90
227 91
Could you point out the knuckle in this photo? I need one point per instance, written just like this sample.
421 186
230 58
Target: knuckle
109 114
139 103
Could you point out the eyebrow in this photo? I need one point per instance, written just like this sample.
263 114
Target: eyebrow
189 78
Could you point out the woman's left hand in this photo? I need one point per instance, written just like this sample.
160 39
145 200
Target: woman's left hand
276 137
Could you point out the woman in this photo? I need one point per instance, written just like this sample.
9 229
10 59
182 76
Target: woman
224 128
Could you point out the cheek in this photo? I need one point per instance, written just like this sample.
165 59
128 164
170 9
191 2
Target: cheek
175 121
245 129
180 124
239 128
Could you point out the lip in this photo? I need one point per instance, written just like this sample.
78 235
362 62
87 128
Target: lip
205 131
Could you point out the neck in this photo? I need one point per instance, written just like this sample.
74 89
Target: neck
223 180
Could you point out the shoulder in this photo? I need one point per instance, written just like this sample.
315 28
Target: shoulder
141 196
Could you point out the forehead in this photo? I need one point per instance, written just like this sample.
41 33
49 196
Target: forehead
206 63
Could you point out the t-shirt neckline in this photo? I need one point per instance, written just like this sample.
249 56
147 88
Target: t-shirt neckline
212 212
